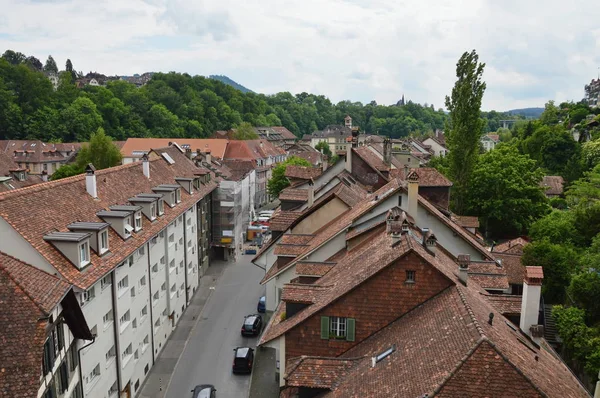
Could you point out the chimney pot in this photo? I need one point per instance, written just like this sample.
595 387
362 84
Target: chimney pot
413 193
146 165
90 181
463 267
530 302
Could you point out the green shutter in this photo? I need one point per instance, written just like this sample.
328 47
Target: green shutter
325 327
350 324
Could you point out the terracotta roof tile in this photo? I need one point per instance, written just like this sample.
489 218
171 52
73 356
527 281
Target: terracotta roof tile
302 172
514 246
506 304
217 147
288 249
239 168
311 268
299 293
282 220
313 157
294 194
515 271
285 133
56 204
553 184
317 372
467 221
428 176
371 158
251 150
295 239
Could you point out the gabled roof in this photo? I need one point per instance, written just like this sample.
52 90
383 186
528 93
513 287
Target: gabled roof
285 133
315 372
302 172
515 271
38 210
466 221
239 168
217 147
6 166
313 268
553 185
514 246
294 194
371 159
428 176
506 304
251 150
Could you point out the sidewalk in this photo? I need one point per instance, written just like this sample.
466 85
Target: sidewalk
263 383
155 385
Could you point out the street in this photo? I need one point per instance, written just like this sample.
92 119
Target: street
208 355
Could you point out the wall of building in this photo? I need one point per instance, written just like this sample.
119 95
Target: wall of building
321 216
12 243
365 174
376 303
436 195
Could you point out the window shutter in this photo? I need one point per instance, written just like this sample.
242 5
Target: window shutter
64 377
325 327
350 324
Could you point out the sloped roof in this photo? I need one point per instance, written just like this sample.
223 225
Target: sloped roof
488 274
514 246
239 168
52 206
553 184
371 159
466 221
217 147
313 268
282 220
302 172
294 194
285 133
428 176
36 151
313 157
6 165
515 271
506 304
315 372
251 150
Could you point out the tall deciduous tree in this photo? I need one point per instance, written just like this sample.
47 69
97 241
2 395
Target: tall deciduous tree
14 58
50 65
245 131
505 192
465 125
323 147
278 181
81 119
101 152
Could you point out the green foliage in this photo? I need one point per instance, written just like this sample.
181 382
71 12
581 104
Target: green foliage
278 181
558 203
50 65
550 115
101 152
14 58
558 227
505 192
582 342
80 119
590 154
585 292
323 147
558 262
245 131
66 170
550 146
465 125
441 164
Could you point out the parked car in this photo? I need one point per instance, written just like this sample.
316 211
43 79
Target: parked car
262 304
204 391
266 213
252 325
243 357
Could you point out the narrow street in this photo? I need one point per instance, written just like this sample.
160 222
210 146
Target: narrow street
208 355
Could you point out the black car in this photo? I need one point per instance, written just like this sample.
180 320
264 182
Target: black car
204 391
252 325
242 360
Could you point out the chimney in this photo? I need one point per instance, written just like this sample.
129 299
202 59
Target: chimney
208 156
463 267
394 220
90 181
146 165
429 241
311 194
387 151
324 162
530 302
413 194
188 153
44 176
348 157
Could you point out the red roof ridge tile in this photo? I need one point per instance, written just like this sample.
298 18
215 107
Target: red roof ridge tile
470 311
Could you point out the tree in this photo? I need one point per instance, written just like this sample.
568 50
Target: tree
67 170
50 66
81 119
558 262
585 292
69 66
101 152
244 131
14 58
558 227
550 115
278 181
590 154
505 192
34 63
465 126
323 147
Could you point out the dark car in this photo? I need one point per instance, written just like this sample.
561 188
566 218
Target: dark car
252 325
204 391
242 360
262 304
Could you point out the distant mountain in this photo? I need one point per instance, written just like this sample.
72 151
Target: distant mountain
226 80
527 112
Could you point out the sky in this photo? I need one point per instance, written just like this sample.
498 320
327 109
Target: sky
358 50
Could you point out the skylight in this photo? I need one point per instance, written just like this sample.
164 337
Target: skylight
168 158
384 354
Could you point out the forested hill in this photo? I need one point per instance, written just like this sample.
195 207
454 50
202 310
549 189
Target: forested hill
530 113
234 84
177 105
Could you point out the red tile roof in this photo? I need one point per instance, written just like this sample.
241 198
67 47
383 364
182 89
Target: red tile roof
515 271
514 246
251 150
288 249
35 151
6 166
294 194
302 172
285 133
217 147
374 161
282 220
56 204
27 295
295 239
553 185
466 221
488 275
239 168
506 304
428 176
317 372
311 268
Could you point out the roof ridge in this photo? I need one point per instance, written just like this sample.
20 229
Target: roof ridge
470 311
459 365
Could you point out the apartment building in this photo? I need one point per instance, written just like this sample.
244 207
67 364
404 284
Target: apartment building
14 177
135 148
132 241
39 157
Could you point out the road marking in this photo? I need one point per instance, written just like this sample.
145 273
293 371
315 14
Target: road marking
212 288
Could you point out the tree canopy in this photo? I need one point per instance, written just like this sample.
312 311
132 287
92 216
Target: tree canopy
244 131
323 147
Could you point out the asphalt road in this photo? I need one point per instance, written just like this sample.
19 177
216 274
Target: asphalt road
208 355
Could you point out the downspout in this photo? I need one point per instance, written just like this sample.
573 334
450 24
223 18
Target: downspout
151 300
79 363
115 329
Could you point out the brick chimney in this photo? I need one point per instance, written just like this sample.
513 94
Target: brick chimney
530 302
146 166
90 181
387 151
413 193
311 194
463 267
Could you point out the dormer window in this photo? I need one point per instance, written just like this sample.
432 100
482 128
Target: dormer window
138 221
174 198
128 227
103 242
161 207
84 254
153 211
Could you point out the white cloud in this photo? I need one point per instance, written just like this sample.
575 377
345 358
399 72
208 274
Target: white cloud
345 49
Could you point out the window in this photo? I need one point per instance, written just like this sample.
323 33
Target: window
161 207
337 328
178 195
173 289
410 276
173 197
84 254
189 221
105 282
128 227
110 354
103 242
163 287
107 318
134 323
132 291
88 295
162 260
138 221
142 282
144 313
136 355
94 373
181 264
157 324
153 211
155 297
180 241
128 351
399 200
172 265
155 268
142 251
171 239
123 283
113 389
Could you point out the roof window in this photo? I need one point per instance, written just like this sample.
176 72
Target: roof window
383 355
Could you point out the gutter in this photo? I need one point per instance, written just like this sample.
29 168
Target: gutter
150 305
